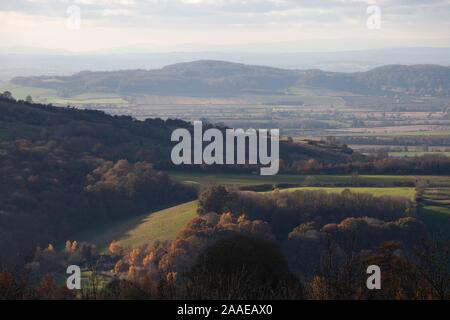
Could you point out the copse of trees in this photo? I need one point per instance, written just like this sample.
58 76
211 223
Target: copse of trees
286 210
125 187
308 242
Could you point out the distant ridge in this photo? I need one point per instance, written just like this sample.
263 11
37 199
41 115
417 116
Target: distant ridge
222 78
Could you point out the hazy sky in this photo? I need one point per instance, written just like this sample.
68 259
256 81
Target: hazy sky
250 25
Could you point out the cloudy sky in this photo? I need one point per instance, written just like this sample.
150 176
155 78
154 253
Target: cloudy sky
196 25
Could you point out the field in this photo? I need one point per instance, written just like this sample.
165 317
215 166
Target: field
419 133
88 99
416 153
21 92
377 192
50 96
437 218
240 180
160 225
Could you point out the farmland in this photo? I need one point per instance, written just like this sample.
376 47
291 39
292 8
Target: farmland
377 192
43 95
400 154
299 112
241 180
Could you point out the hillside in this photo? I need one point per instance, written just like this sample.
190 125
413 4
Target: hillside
224 79
143 229
122 137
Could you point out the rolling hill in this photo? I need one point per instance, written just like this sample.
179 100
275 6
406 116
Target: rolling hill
208 78
144 229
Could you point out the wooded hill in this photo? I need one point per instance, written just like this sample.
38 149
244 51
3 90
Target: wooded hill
223 79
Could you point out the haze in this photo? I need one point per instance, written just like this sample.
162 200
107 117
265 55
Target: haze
112 26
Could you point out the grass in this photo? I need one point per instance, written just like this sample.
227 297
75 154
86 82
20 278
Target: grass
315 97
43 95
434 210
160 225
21 92
16 129
416 153
409 193
437 219
417 133
196 178
89 98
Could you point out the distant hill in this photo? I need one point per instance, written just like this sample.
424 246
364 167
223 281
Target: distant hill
19 61
210 78
419 80
200 78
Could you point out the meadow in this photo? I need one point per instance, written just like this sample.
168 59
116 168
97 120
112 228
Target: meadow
401 154
409 193
158 225
241 180
50 96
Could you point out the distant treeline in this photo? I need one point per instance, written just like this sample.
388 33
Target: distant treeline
421 141
433 164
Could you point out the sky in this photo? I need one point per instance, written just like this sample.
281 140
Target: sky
224 25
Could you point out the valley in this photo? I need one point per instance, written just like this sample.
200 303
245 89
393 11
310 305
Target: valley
374 111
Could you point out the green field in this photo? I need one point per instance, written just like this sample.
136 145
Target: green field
409 193
323 180
89 98
21 92
43 95
416 153
437 219
315 97
418 133
160 225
